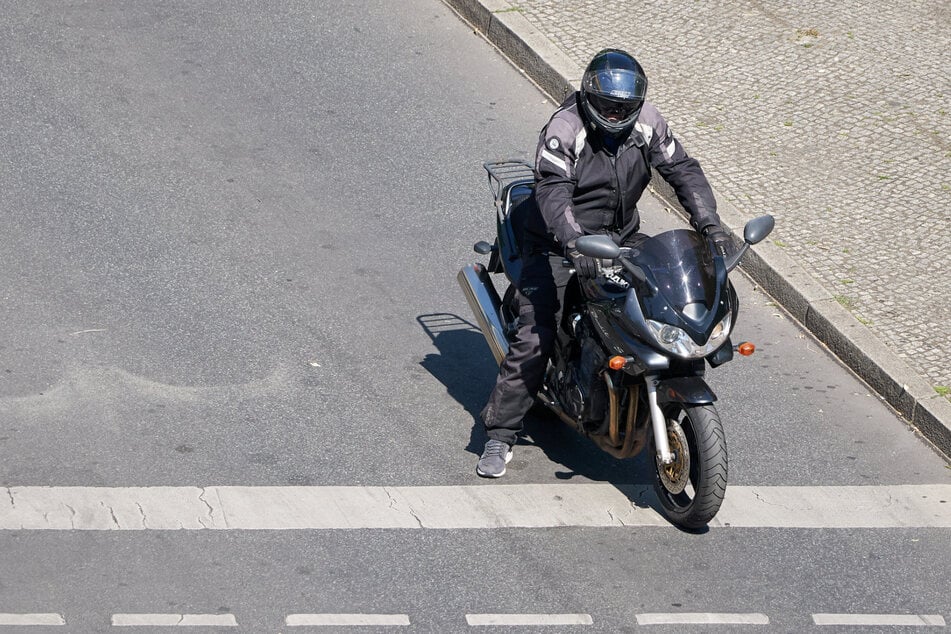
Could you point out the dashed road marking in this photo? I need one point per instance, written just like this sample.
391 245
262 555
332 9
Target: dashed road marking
458 507
701 618
498 619
32 619
878 619
317 620
528 619
174 620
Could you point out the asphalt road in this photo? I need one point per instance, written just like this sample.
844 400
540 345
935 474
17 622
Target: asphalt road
229 246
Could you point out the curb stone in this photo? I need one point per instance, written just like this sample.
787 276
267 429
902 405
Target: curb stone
812 305
526 47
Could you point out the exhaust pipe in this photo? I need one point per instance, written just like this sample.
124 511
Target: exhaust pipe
486 306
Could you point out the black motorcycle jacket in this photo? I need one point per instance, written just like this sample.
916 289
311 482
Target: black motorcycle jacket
582 187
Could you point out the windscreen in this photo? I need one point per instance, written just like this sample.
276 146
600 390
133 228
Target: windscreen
681 264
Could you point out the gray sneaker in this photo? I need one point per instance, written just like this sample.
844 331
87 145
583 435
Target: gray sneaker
494 458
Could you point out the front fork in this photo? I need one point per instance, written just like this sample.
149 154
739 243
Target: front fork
659 421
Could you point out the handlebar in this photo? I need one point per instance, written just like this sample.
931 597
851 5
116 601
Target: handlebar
636 272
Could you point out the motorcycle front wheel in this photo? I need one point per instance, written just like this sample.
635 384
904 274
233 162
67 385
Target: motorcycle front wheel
692 487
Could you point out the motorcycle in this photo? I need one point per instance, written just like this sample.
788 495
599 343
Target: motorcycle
629 362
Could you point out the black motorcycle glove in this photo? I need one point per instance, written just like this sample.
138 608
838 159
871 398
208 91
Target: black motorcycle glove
722 243
585 267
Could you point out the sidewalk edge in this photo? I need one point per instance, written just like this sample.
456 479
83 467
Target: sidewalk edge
814 307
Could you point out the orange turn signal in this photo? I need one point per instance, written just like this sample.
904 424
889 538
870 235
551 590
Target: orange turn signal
617 363
746 348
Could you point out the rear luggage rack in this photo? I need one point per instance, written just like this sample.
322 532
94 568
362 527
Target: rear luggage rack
512 182
504 175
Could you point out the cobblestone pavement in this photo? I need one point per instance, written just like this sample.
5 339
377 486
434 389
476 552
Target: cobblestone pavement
831 116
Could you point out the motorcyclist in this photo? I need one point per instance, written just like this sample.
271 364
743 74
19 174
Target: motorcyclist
592 164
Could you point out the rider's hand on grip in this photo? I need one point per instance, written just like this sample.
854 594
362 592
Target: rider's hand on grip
722 244
585 267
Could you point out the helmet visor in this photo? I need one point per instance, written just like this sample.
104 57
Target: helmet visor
617 83
615 109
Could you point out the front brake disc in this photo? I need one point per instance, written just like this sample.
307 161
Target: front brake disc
674 476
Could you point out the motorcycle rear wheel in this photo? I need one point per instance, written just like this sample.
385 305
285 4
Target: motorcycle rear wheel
691 489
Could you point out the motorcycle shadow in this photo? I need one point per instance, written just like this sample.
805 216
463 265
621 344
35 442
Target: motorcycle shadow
579 456
463 365
466 368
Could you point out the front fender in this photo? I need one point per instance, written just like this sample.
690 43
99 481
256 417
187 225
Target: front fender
692 390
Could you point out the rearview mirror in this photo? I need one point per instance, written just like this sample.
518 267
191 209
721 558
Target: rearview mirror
758 228
754 231
601 247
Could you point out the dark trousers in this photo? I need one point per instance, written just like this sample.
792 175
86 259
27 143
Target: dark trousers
540 295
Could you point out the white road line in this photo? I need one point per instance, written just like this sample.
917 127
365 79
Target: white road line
32 619
701 618
457 507
900 506
528 619
878 619
312 620
174 620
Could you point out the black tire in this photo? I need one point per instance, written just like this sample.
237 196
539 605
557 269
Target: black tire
698 502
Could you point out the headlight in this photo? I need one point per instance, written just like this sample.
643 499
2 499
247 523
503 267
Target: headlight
678 342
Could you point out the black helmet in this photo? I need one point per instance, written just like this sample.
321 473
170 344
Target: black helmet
613 88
